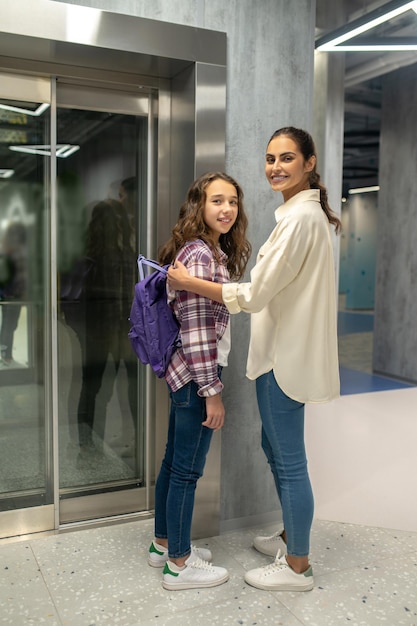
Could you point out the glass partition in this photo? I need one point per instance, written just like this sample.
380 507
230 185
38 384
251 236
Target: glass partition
99 208
101 196
25 449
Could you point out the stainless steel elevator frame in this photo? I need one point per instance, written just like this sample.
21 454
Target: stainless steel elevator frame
185 70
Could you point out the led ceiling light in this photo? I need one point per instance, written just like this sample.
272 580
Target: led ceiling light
6 173
62 150
41 108
332 42
363 189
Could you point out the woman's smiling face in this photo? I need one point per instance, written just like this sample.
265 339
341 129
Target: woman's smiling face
285 167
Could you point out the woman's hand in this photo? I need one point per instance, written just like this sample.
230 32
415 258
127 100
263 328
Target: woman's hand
179 279
215 412
178 276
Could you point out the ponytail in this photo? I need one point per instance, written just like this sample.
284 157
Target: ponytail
331 216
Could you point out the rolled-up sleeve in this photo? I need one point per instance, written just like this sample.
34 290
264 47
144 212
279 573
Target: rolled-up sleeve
229 296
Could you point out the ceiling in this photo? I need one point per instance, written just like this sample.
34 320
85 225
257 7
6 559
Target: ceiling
363 84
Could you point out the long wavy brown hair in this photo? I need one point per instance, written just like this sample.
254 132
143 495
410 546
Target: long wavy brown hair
191 225
307 148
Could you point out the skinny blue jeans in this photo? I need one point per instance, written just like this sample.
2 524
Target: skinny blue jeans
283 444
183 464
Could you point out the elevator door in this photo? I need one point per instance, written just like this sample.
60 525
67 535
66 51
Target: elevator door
26 481
76 164
101 200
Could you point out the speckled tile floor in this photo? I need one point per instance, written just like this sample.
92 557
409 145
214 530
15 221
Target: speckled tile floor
99 577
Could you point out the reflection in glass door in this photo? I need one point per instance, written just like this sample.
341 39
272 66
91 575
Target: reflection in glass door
74 443
25 443
101 200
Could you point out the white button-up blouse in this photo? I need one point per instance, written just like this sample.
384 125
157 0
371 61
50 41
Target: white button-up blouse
292 299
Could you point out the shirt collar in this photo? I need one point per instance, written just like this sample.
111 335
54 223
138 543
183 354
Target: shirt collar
307 195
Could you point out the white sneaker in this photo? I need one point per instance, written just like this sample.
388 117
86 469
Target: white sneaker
271 544
195 575
279 576
158 555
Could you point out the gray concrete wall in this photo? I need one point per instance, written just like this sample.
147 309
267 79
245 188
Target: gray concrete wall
269 85
329 106
395 335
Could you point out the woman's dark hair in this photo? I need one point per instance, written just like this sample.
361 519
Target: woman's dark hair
109 230
191 225
307 148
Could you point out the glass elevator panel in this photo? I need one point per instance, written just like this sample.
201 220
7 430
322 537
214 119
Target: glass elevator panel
25 447
101 197
74 176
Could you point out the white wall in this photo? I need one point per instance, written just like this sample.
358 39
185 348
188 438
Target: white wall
362 459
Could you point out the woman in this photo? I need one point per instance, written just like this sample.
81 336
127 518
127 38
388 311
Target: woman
293 346
210 239
105 304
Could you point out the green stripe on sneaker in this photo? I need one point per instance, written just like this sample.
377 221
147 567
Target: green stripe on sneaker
168 571
153 549
308 572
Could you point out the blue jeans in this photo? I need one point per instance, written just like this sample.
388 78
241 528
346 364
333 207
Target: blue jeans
283 444
183 464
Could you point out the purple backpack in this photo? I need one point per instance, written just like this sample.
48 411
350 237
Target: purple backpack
154 333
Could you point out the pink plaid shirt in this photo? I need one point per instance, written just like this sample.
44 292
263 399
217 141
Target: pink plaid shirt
202 323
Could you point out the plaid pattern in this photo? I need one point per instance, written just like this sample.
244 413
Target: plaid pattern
202 323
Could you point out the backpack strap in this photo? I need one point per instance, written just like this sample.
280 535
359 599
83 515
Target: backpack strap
142 260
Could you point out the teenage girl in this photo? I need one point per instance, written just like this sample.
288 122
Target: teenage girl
210 240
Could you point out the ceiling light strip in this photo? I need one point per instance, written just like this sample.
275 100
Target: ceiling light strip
62 150
41 108
4 173
374 48
388 11
363 189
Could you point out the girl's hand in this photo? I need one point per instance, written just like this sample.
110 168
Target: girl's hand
178 276
215 412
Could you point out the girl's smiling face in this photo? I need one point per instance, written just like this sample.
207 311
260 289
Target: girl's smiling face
285 167
221 207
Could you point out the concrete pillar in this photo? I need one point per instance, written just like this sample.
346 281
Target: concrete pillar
395 333
328 121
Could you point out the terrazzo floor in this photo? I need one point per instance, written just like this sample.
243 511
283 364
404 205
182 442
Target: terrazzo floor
100 577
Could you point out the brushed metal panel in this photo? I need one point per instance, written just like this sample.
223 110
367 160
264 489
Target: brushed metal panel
102 505
182 140
29 88
210 118
198 136
24 521
56 31
74 96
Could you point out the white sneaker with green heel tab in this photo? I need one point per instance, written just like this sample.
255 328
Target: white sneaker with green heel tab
279 576
158 555
196 574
